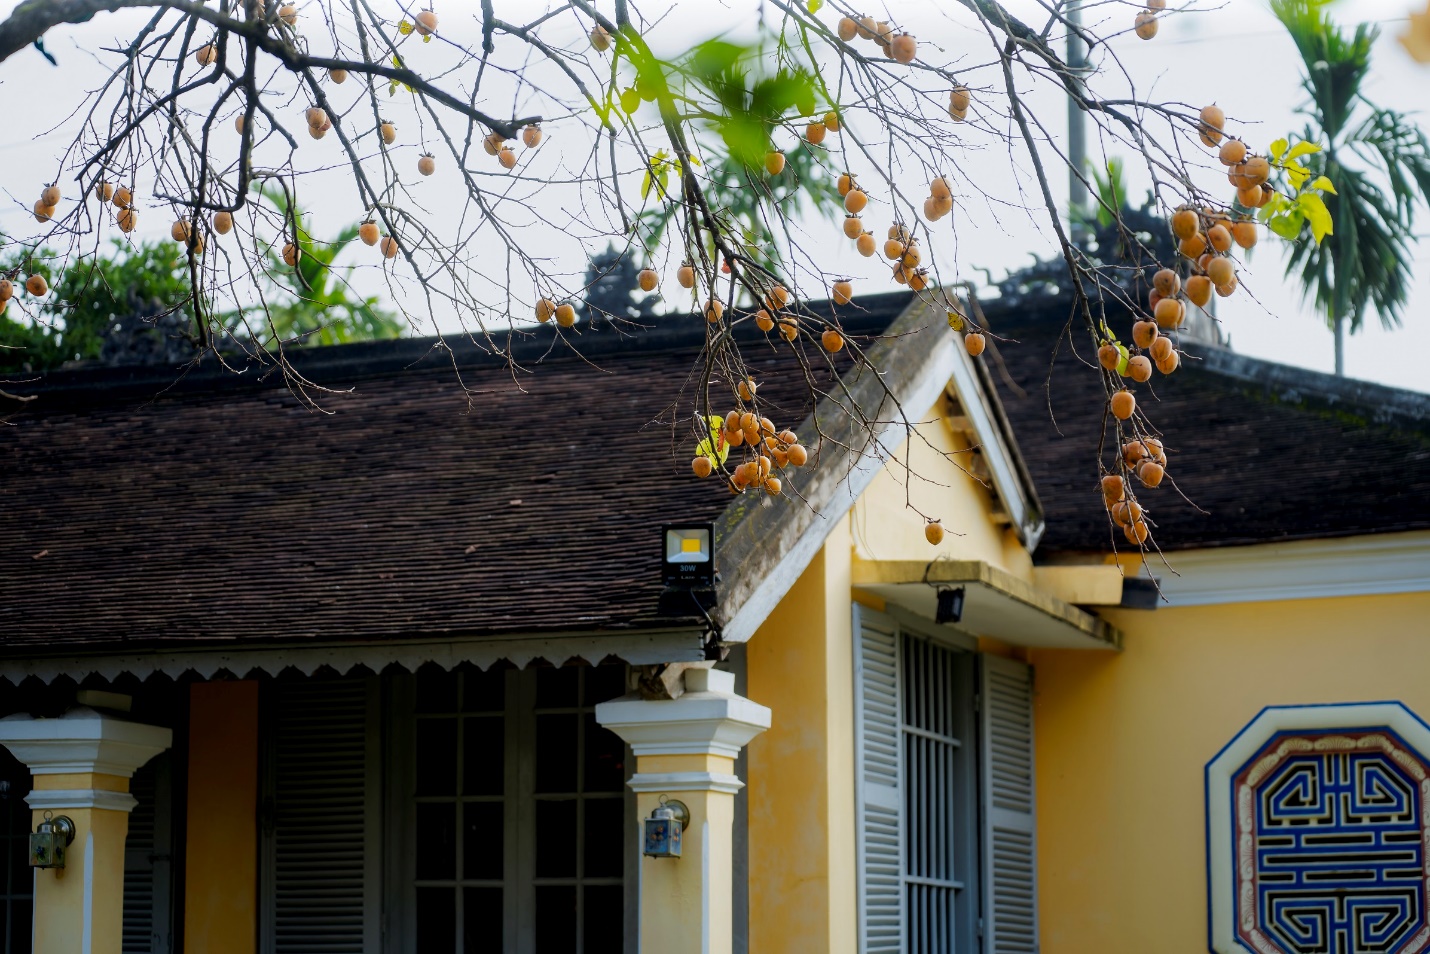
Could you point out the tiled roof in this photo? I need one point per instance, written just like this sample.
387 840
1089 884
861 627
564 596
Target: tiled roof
139 509
1259 452
143 510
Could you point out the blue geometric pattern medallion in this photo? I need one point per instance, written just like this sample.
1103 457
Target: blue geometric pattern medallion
1331 851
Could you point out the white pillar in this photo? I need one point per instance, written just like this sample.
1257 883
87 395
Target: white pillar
685 748
82 763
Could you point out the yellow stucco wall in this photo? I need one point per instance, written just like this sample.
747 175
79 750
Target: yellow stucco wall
801 805
1122 739
221 860
886 527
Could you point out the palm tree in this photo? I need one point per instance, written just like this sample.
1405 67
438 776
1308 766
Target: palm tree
1379 163
320 307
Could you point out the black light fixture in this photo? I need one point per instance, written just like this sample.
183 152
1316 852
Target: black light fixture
689 556
950 606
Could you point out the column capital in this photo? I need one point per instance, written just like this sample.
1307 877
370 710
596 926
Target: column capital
708 719
82 741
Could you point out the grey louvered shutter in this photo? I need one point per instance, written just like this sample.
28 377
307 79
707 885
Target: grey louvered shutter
1010 905
320 881
879 798
148 862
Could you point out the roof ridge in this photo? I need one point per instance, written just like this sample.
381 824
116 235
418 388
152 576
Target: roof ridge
527 346
1288 382
1294 384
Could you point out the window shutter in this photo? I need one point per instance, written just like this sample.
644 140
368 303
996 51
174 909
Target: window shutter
1010 908
879 808
148 862
320 890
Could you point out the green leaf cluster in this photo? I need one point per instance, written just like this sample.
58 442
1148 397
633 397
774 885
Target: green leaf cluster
92 296
1288 215
746 104
738 95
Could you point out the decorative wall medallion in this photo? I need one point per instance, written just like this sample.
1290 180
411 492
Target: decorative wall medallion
1319 833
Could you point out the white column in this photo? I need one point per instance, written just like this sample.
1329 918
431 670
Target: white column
685 748
82 763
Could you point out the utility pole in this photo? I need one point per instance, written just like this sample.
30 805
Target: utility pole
1077 120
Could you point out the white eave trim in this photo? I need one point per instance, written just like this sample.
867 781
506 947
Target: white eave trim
637 647
861 474
974 402
1310 569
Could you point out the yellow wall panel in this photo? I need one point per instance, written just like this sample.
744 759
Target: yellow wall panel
888 519
1122 739
801 804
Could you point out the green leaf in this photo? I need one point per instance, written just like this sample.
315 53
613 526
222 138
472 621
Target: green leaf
1287 225
814 6
1314 208
645 184
1323 184
714 446
1278 148
1302 149
1123 358
714 57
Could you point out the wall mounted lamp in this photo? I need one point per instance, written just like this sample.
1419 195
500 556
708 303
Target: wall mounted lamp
49 840
950 606
664 827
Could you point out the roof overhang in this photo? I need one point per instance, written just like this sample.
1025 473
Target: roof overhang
996 603
763 549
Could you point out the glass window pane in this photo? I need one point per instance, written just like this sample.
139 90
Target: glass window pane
556 919
482 927
22 877
484 691
605 837
556 839
436 921
556 688
604 682
436 689
20 927
436 756
483 768
605 758
556 753
604 930
436 842
482 840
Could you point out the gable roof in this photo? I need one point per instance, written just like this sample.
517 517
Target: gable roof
147 511
1259 452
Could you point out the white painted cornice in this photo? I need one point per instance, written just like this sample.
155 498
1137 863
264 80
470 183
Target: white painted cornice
685 782
1308 569
82 741
709 719
57 799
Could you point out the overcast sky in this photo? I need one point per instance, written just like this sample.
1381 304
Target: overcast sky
1233 53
